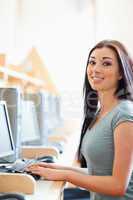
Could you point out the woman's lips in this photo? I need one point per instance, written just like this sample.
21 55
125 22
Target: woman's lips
97 79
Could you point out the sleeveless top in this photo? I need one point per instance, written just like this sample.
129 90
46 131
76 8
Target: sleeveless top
98 147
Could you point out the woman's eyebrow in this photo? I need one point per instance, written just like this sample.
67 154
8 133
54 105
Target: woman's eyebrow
105 57
92 57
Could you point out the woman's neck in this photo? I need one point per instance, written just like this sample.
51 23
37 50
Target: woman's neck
107 101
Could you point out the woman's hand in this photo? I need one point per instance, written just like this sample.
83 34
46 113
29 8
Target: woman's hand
48 171
49 165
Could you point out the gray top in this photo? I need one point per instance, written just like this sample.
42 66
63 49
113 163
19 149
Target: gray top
98 146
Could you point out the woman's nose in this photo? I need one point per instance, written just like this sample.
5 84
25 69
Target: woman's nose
96 68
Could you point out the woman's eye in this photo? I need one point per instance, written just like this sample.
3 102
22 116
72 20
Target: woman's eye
107 64
92 62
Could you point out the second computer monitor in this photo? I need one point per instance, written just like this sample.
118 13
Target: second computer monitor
30 134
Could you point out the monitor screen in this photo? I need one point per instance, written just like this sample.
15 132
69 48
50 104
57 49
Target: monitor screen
29 123
12 97
6 141
45 121
58 109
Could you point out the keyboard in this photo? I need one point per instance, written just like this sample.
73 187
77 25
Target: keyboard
18 168
20 165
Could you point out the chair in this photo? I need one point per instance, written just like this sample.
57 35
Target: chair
76 194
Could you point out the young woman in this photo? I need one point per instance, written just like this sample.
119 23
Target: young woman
107 133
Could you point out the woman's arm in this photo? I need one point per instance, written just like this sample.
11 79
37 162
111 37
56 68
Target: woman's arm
61 167
78 169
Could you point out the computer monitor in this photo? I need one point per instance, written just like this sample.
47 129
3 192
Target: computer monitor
29 125
45 121
48 112
58 110
6 141
12 96
36 98
41 102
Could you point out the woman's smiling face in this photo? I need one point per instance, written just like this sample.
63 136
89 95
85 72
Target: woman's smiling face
103 70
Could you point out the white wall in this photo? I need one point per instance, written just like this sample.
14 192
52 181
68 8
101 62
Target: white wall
114 20
7 25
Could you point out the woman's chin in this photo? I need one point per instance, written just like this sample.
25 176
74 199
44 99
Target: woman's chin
97 88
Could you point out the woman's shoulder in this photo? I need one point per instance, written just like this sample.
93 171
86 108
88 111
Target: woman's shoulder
124 112
125 106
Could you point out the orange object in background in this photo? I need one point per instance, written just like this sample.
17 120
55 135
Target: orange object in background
2 59
2 63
